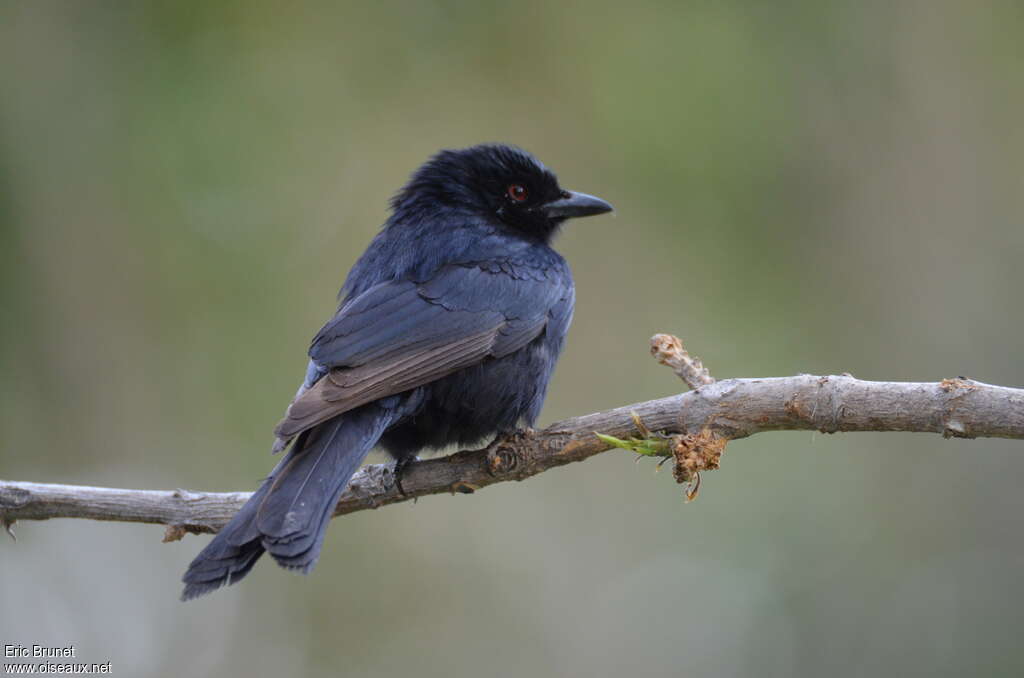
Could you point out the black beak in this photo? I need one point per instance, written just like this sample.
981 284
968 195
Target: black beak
574 204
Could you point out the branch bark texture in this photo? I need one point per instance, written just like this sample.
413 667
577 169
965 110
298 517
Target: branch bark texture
729 409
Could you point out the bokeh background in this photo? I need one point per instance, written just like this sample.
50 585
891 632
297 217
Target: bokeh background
800 187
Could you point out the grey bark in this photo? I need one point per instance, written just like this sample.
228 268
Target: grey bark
731 408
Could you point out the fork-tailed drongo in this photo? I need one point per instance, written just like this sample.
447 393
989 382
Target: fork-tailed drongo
448 330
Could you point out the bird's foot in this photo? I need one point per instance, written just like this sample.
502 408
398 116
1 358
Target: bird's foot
400 465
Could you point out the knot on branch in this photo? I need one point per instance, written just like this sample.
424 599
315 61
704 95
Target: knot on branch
956 389
372 482
508 455
462 487
175 532
14 497
964 383
502 460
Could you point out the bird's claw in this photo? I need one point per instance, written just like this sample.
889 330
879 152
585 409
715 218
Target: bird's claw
400 466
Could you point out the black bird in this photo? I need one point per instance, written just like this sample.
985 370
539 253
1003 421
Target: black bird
448 330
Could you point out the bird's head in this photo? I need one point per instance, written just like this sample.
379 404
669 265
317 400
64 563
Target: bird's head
500 182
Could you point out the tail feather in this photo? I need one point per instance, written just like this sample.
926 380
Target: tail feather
214 573
289 514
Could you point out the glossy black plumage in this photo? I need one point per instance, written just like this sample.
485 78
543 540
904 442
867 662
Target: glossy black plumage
448 331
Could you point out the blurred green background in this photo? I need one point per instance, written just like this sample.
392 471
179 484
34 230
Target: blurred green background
800 187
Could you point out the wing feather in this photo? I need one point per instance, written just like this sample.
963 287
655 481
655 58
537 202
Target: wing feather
399 335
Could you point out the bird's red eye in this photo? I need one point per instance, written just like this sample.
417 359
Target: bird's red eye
517 192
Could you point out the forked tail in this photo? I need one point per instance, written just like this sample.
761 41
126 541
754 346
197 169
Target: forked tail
288 515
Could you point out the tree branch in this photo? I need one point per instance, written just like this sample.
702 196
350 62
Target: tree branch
717 411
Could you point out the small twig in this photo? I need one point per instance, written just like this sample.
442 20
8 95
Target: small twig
668 350
697 448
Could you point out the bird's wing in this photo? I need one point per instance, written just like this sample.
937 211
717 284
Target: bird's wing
403 334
